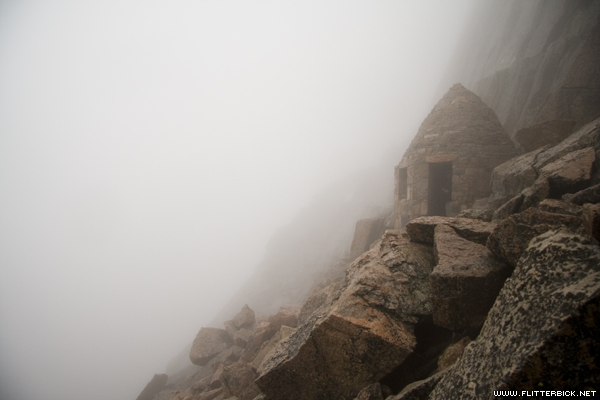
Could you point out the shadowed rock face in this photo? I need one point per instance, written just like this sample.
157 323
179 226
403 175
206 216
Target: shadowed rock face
544 328
361 333
464 283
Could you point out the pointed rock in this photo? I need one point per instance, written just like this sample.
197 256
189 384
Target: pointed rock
209 342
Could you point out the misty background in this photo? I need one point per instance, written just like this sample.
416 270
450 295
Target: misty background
151 151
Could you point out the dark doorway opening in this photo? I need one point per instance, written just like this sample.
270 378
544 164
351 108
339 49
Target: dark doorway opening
440 188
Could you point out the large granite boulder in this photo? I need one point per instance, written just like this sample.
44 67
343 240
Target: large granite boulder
238 380
209 342
511 177
464 283
245 318
362 333
548 133
543 331
511 236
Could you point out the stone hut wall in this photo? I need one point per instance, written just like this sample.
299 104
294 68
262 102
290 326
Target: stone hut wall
462 138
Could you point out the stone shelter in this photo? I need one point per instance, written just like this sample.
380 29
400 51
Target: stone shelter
449 163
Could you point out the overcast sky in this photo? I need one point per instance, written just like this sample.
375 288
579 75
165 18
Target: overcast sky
148 151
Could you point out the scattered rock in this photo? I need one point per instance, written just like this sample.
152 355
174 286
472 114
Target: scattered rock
464 283
209 342
543 330
363 334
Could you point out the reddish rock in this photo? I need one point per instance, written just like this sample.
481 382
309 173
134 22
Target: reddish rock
364 333
238 380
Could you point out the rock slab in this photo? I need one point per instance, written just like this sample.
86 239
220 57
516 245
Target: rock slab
544 328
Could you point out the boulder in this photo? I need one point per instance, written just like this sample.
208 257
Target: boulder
511 177
464 283
587 136
421 229
264 331
362 334
543 331
245 318
570 173
509 208
512 235
209 342
156 384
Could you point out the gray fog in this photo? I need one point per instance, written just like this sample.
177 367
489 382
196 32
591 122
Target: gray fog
150 150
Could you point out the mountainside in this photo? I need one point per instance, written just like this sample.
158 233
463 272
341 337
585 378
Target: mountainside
487 279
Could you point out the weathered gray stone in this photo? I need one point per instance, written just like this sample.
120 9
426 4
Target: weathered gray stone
422 229
208 343
543 330
364 332
156 384
464 283
512 235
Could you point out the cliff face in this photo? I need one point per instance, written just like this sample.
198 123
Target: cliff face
501 296
533 62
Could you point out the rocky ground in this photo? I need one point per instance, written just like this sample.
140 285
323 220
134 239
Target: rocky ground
506 296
